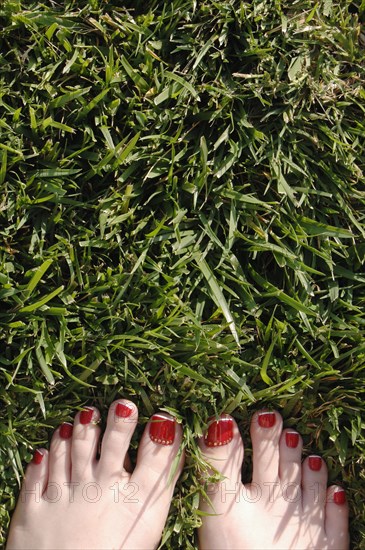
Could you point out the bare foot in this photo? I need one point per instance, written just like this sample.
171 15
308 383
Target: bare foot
71 499
286 506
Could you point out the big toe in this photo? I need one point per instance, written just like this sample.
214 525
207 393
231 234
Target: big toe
222 448
160 460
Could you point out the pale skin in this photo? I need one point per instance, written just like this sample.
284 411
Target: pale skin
72 499
90 511
287 504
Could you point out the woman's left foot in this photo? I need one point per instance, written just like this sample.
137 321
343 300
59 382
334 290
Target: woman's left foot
70 499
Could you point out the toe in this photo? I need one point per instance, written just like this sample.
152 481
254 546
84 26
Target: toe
266 428
121 423
290 464
85 440
36 478
336 518
222 448
30 502
314 487
159 462
60 455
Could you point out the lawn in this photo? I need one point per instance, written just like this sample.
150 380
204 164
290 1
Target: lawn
182 221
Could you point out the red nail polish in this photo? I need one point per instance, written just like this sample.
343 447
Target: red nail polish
267 419
66 430
220 432
292 439
162 430
123 411
339 497
86 416
315 463
37 457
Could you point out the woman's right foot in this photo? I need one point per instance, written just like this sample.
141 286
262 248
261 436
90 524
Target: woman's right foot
286 506
71 499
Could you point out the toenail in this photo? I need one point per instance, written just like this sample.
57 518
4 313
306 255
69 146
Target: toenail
292 439
123 411
267 419
86 415
162 430
339 497
315 463
37 457
220 432
66 430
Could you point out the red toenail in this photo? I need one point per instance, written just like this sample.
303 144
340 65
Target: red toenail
123 411
220 432
339 497
162 430
66 430
291 439
315 463
37 457
267 419
86 416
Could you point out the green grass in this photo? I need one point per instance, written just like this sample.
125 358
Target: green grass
182 222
